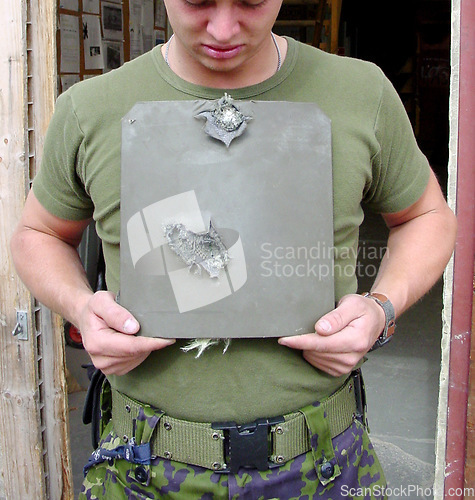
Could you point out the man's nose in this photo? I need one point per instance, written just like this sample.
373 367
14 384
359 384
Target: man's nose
223 24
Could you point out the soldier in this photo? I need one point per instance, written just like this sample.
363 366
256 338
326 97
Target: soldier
159 393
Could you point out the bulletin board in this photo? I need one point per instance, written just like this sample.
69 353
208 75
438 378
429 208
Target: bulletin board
97 36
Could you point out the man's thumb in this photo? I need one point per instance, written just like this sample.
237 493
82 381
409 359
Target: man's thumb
323 327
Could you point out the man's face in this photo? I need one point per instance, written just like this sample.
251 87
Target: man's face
219 37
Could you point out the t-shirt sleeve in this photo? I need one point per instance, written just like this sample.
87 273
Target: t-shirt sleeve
57 185
400 171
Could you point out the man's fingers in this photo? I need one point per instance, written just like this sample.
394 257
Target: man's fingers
341 337
339 318
346 341
124 346
327 366
117 366
108 332
303 342
333 364
127 355
314 342
114 315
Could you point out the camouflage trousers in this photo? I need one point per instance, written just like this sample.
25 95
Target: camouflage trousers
116 472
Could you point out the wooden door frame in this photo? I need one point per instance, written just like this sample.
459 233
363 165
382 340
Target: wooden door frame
458 292
34 437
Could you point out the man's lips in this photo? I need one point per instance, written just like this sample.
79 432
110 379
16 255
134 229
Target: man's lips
222 52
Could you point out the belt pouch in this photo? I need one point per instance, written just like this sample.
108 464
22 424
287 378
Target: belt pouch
324 457
135 446
144 425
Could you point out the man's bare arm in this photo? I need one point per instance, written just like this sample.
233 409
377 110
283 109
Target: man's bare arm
46 259
420 243
44 249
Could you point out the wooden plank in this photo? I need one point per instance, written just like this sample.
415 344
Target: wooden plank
42 91
20 453
55 439
59 482
43 69
335 24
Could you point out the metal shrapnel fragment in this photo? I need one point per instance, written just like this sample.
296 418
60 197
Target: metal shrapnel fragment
227 116
205 250
224 122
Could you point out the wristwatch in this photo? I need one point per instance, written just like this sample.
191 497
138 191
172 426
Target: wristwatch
389 313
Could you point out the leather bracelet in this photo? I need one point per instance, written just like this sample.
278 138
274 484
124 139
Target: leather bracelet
390 315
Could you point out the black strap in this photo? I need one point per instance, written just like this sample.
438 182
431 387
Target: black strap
92 406
360 395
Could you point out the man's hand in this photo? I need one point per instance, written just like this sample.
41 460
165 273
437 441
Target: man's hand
415 258
342 337
108 330
45 255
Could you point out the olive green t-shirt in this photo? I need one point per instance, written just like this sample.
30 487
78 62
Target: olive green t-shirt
375 161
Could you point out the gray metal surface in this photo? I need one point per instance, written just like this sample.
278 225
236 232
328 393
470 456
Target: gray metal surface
269 196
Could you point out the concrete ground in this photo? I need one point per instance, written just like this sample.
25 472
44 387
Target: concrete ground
401 382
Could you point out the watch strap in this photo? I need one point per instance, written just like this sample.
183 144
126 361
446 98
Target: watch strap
390 315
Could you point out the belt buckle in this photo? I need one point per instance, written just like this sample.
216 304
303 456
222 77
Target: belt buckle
247 445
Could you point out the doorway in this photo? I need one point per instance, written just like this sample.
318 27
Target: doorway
410 41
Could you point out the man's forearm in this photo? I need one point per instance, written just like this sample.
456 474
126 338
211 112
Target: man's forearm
45 256
52 270
416 256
